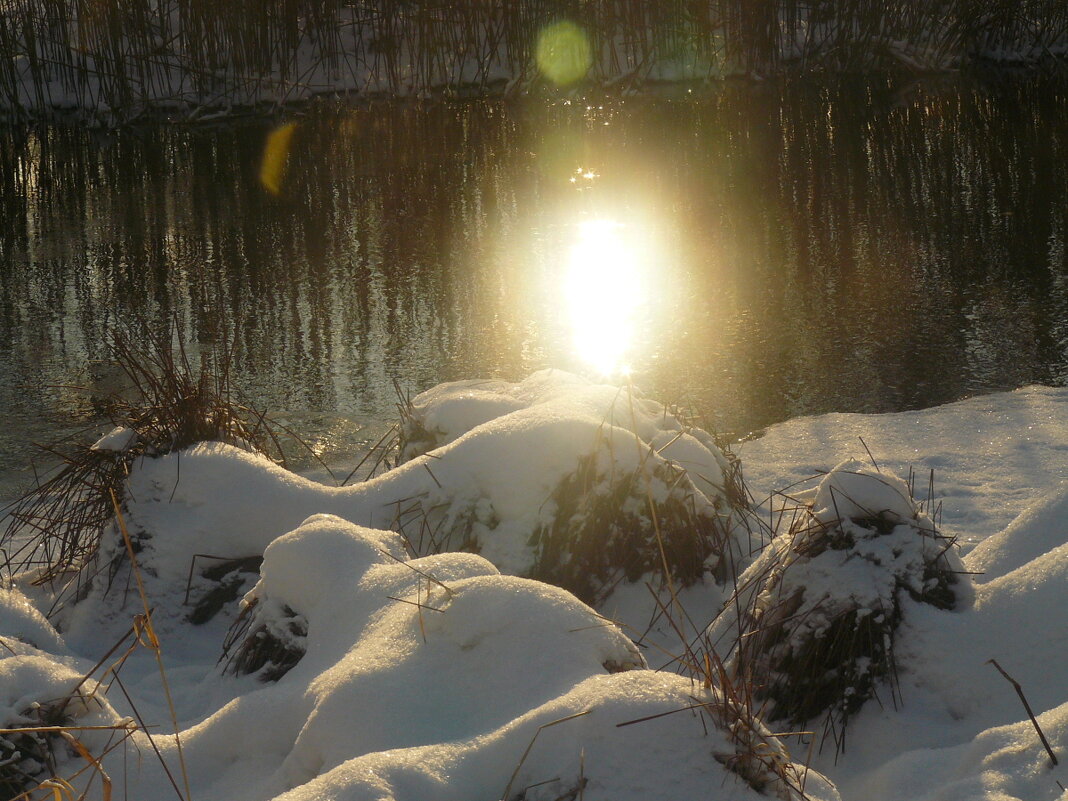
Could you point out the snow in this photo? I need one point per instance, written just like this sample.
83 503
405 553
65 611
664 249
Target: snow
959 729
854 489
118 439
23 628
487 481
1036 531
451 676
992 455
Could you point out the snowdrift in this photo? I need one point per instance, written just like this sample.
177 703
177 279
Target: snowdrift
435 678
551 478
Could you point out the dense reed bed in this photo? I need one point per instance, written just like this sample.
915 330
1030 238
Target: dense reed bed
120 60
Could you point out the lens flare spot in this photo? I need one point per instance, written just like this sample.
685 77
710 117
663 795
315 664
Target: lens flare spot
275 157
563 52
604 293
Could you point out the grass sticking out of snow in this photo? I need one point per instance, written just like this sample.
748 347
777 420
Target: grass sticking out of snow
170 403
814 625
606 529
57 728
642 493
269 647
439 677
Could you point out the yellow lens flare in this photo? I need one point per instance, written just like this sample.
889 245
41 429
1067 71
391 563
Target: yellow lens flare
275 157
603 292
563 52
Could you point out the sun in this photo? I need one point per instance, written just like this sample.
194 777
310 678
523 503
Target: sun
603 292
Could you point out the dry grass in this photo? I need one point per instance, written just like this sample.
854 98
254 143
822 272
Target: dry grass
728 700
38 744
28 745
606 529
172 402
40 739
254 646
610 524
808 663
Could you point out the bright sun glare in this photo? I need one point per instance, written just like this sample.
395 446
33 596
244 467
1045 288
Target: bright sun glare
603 291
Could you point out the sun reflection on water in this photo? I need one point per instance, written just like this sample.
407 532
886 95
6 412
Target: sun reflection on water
604 292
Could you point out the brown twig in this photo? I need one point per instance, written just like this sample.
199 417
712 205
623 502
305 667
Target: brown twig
1027 706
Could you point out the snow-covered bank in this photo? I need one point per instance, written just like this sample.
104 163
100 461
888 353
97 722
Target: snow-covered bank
393 677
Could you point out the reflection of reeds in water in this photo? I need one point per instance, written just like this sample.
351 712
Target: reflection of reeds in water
123 57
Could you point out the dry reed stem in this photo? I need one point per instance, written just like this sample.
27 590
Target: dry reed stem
153 642
506 795
1027 707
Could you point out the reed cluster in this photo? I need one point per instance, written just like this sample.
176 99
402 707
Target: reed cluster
171 401
125 58
813 625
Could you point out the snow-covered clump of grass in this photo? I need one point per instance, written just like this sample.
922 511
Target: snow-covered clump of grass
49 724
356 568
617 486
585 485
169 403
814 627
410 678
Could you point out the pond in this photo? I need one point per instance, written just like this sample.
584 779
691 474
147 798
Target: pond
752 252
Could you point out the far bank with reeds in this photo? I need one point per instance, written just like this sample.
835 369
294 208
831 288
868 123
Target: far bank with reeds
115 61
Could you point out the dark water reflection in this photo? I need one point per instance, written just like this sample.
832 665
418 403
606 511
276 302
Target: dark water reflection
855 247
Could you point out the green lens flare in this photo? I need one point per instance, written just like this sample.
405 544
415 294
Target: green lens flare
564 55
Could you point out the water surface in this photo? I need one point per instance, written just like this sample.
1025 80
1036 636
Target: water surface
751 252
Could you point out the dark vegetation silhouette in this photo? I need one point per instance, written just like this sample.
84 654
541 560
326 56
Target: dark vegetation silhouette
126 58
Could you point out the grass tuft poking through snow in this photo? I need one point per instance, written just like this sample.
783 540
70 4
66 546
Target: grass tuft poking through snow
814 625
170 403
646 493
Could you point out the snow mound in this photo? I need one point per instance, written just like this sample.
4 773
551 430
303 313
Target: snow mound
446 412
1038 529
430 677
823 604
23 629
397 677
853 491
571 747
576 469
584 485
38 693
459 597
1007 763
987 457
